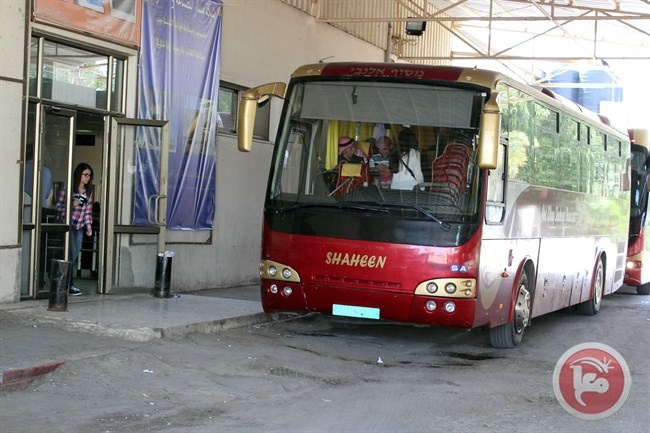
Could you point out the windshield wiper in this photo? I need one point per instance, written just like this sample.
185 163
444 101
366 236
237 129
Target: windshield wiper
443 225
375 206
338 205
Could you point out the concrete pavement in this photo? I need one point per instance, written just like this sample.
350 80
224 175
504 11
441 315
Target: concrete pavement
28 329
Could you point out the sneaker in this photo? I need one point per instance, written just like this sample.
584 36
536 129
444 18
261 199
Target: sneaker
74 291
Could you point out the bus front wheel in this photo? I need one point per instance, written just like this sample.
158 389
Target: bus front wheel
510 334
592 306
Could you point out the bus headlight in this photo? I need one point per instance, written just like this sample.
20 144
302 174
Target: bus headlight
430 305
634 264
278 271
450 288
450 307
273 289
432 287
287 291
447 288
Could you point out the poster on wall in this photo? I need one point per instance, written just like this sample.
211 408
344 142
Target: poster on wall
179 82
115 20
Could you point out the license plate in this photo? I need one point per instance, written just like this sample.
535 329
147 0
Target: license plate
354 311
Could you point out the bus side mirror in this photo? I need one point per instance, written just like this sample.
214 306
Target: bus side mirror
489 138
248 108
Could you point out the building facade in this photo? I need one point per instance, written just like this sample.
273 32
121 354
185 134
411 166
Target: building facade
66 93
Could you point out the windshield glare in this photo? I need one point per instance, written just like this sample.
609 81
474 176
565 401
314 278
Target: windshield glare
387 145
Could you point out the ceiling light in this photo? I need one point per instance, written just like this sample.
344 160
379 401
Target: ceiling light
415 28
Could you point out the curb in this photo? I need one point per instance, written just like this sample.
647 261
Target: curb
216 326
20 378
147 334
211 327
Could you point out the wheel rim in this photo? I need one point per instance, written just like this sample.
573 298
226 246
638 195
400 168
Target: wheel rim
522 309
598 286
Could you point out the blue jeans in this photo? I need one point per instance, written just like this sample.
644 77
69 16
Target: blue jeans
77 237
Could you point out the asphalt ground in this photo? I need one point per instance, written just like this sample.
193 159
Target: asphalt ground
31 346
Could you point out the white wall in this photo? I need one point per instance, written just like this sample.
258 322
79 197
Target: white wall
262 41
12 22
267 40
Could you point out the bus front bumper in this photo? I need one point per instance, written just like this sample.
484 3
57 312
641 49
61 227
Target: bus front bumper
368 304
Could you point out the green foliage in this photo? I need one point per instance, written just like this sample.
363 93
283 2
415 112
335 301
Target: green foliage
548 148
517 156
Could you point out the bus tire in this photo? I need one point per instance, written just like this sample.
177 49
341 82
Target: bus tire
509 335
592 306
643 289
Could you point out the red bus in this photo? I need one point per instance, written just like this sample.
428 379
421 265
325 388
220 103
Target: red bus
506 202
637 272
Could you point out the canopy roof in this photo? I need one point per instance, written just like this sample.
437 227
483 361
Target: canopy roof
548 30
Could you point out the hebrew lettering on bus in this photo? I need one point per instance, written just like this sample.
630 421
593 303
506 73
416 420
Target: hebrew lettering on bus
374 71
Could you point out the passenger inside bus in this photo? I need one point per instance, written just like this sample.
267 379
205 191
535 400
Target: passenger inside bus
408 171
349 151
380 163
352 168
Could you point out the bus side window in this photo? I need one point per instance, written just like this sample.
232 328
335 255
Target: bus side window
495 208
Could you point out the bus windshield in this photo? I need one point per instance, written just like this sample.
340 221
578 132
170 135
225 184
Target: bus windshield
639 191
406 150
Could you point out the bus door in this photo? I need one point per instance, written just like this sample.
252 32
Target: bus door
136 203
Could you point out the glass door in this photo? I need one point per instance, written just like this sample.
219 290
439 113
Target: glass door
48 157
136 203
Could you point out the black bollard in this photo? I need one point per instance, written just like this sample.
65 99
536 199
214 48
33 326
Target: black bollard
59 285
163 277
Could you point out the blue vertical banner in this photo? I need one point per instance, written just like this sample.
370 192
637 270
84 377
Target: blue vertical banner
179 82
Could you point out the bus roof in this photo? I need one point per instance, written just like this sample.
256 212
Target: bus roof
478 77
471 76
640 137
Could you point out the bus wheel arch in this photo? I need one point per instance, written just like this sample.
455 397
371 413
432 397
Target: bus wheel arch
509 335
591 306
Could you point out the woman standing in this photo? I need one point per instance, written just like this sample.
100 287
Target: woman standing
82 214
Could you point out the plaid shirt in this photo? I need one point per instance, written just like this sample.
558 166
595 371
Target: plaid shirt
81 215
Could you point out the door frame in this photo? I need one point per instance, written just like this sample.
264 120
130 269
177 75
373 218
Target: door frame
113 191
35 223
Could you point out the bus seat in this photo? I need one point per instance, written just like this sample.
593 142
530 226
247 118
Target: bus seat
351 176
449 171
